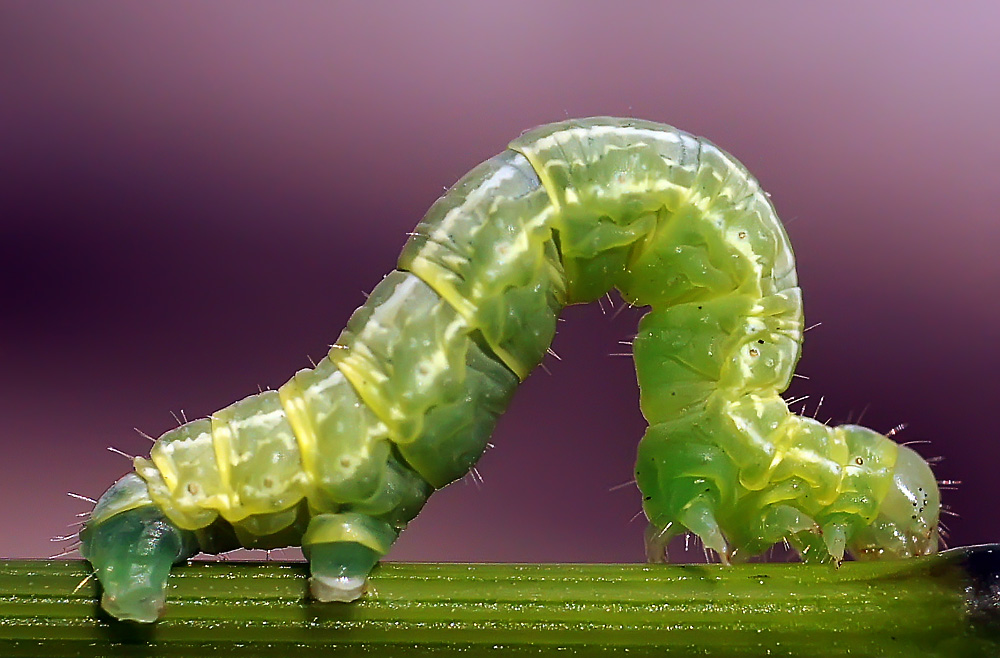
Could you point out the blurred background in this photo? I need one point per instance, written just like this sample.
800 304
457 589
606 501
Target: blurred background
195 196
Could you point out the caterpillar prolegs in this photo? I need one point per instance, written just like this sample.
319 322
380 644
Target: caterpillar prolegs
341 457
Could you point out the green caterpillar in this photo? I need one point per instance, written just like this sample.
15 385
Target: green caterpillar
343 456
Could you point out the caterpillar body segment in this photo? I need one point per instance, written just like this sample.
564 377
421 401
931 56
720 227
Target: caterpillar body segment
344 455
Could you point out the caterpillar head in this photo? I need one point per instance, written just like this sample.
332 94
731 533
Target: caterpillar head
907 523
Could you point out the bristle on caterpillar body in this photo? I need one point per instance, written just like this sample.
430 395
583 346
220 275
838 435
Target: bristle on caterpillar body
341 457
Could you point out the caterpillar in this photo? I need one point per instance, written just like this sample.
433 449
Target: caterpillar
341 457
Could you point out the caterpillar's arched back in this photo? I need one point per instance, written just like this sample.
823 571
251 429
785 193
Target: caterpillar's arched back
342 456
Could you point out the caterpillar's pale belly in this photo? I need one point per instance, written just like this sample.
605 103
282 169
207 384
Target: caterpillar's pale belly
342 456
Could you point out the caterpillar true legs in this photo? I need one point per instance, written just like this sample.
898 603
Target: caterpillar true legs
342 456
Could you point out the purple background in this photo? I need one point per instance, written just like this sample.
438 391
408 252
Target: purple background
195 196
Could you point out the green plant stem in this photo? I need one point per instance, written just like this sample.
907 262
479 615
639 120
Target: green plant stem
942 605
